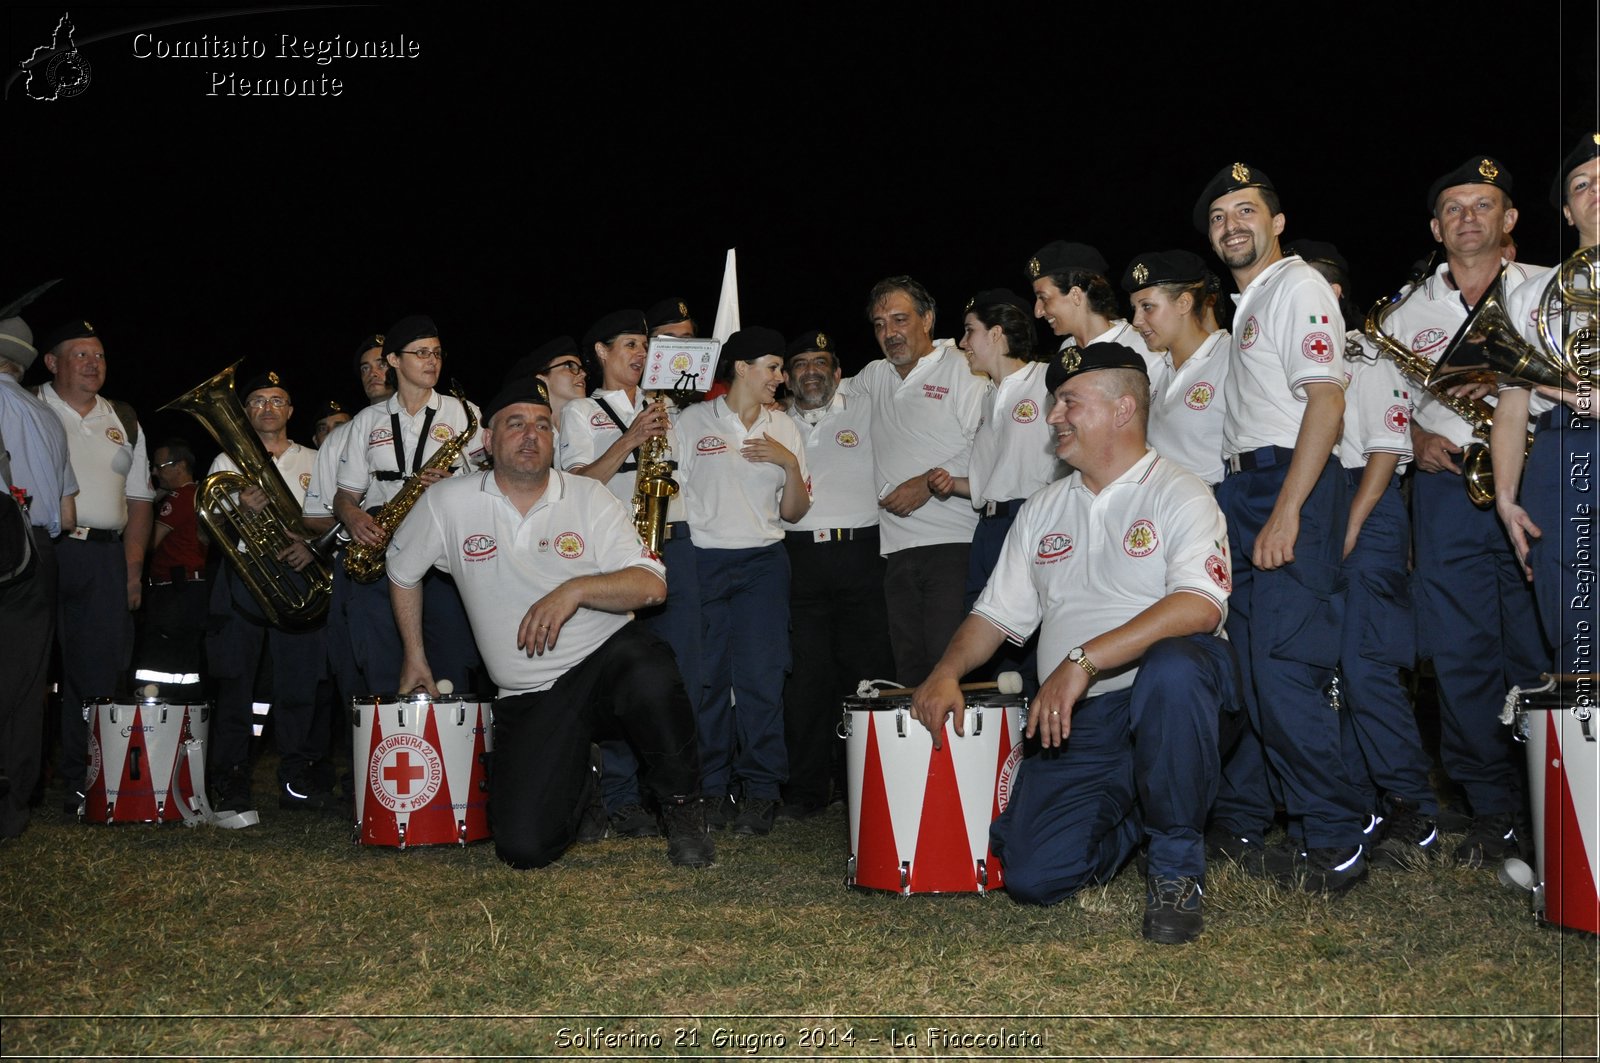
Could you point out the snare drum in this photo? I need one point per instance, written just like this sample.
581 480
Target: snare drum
919 817
421 765
1560 726
137 772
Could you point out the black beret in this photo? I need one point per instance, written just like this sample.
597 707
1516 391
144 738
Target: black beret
1073 361
374 340
75 329
1588 148
1478 170
1231 178
753 342
1059 256
268 379
995 296
815 340
402 332
518 387
1320 252
613 325
1162 267
667 312
331 407
544 354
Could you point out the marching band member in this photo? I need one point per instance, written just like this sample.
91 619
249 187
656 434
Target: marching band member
670 317
599 438
549 598
332 416
1122 569
385 446
233 646
744 470
838 625
170 645
560 369
1072 294
1557 488
1475 614
1284 497
1170 291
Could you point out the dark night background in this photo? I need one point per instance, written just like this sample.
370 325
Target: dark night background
540 164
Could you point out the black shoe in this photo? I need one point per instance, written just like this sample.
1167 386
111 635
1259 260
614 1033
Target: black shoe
1490 840
755 816
229 791
1222 842
688 841
1410 839
1330 870
799 810
1172 909
1376 827
74 804
720 811
302 794
634 821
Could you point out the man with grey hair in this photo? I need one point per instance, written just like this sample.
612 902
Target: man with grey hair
33 449
926 405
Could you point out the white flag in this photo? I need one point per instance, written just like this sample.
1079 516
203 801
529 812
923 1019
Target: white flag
728 303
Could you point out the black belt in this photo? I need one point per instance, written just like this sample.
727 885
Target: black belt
677 529
832 535
1261 458
1551 419
179 575
95 535
1000 510
1353 477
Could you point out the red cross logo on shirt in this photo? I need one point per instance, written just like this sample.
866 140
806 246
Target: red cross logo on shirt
403 773
1397 418
1318 347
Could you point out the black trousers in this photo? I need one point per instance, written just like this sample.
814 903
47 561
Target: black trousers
627 688
27 624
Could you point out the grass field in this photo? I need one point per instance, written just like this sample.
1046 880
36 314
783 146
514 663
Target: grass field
286 938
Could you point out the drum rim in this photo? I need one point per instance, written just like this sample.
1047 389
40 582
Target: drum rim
419 699
185 702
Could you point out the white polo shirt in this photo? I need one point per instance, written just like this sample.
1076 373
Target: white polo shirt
838 446
503 562
733 503
325 475
1426 322
369 447
1377 409
1076 564
110 469
1288 333
1014 452
1524 306
585 433
1186 407
926 421
296 464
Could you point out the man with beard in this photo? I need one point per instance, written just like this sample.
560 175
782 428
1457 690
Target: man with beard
838 624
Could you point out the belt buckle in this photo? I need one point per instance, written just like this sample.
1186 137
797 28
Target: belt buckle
79 533
822 535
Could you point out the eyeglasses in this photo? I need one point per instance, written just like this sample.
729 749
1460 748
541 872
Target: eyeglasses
167 464
575 368
428 354
277 402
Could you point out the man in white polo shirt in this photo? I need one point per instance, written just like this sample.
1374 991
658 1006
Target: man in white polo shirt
550 568
1122 567
926 405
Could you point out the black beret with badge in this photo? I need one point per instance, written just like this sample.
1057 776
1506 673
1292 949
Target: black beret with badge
667 312
1478 170
1162 267
75 329
411 327
617 323
1588 148
814 340
1231 178
369 342
519 387
753 342
331 408
1062 256
260 382
998 296
1073 361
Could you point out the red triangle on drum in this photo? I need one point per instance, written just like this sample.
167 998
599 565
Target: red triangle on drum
877 859
943 861
136 796
476 799
1569 888
378 824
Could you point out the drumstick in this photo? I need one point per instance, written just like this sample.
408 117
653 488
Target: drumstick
1004 683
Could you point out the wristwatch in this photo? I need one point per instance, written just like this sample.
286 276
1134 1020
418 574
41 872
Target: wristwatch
1079 658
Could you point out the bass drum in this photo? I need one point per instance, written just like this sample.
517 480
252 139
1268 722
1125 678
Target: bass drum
422 769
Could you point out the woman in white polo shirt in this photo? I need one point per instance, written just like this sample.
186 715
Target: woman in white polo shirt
743 472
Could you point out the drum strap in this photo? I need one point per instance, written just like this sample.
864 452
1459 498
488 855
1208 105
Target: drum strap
194 753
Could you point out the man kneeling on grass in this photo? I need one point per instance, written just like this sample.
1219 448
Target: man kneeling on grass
1123 570
572 666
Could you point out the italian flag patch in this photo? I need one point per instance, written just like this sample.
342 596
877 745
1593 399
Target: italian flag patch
1317 319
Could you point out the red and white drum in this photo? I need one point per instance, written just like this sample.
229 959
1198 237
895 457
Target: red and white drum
919 817
1561 726
425 765
137 772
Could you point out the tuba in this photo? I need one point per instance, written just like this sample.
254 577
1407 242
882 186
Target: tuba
653 489
252 541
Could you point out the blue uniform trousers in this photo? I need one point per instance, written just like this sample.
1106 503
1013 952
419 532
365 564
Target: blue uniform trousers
95 631
446 634
677 623
1382 747
1476 619
744 600
1138 763
1558 491
1284 626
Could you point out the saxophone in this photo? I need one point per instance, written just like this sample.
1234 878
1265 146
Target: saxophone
364 563
653 489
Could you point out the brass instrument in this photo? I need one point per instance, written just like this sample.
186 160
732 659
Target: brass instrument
653 489
1576 349
364 563
1476 470
1488 347
251 542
